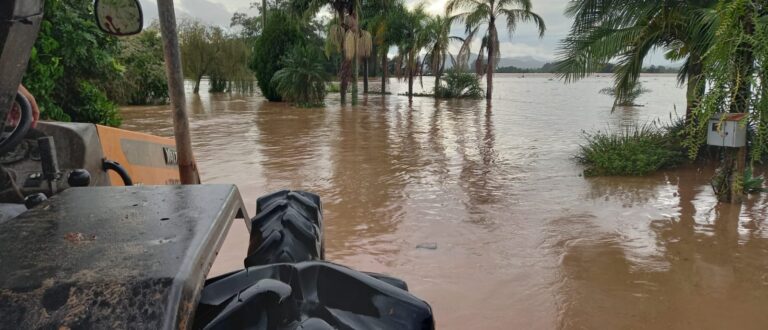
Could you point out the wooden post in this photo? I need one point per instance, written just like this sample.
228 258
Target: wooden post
263 15
187 166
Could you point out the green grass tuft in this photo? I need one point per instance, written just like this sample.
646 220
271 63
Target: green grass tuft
632 151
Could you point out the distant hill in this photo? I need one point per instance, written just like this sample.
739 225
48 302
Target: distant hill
526 62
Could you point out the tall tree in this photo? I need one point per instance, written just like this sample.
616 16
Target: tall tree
478 13
438 40
377 12
410 35
199 50
281 34
343 23
384 34
70 65
736 80
143 80
627 31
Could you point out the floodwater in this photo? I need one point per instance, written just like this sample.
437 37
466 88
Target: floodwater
483 211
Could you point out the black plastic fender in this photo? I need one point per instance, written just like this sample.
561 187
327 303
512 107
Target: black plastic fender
322 295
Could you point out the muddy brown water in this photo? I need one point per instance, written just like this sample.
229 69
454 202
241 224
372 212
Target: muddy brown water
482 209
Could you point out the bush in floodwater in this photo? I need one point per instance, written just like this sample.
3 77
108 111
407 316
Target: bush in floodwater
636 150
628 99
333 87
457 84
302 78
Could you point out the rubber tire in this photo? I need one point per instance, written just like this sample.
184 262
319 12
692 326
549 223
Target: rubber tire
286 229
25 123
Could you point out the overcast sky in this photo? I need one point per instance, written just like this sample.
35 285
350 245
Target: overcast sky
524 41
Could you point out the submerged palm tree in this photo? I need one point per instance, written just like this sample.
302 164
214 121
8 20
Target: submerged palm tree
604 30
302 78
478 13
384 34
343 25
409 33
438 39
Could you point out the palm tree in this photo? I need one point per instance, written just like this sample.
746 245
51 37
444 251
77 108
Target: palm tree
375 21
384 29
604 30
438 39
345 20
302 78
736 83
410 33
477 13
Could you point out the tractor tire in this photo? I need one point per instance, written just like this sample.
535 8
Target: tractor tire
286 229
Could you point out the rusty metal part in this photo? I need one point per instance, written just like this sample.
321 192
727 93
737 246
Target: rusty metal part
113 257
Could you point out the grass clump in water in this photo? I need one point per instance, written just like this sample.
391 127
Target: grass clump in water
633 151
333 87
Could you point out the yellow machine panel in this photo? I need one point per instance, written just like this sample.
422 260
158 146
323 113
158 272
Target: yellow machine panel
149 159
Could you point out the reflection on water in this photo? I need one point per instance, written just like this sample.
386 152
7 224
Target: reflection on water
523 241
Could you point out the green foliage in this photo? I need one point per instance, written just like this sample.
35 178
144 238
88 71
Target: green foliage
302 79
281 33
476 14
93 106
628 98
457 84
71 63
143 80
627 31
333 87
438 40
753 184
230 71
637 150
736 83
209 51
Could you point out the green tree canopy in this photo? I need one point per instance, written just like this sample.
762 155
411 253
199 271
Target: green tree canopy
302 78
604 30
280 35
72 64
144 79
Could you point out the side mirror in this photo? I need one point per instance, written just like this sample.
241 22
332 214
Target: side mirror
119 17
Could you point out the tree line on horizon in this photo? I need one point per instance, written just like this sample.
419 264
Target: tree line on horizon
606 69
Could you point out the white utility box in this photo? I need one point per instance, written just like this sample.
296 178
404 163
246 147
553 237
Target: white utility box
727 130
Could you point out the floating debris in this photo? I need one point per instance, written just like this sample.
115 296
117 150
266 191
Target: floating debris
428 246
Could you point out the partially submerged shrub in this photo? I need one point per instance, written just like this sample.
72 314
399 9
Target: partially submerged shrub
457 84
753 184
333 87
636 150
302 78
628 99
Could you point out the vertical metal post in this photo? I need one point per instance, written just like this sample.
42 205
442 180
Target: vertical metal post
187 166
